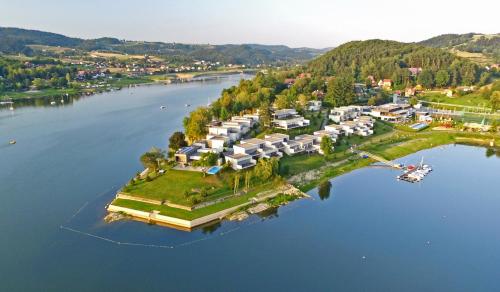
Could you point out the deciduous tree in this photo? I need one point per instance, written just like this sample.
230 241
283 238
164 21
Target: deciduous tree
326 145
177 140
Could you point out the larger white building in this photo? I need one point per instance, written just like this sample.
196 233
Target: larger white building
287 119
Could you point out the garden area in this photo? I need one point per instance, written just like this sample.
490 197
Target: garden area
471 99
180 187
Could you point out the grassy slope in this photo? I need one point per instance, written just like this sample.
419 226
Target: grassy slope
174 183
473 99
190 215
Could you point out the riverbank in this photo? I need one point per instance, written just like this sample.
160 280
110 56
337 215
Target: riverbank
390 147
93 88
184 219
116 84
303 172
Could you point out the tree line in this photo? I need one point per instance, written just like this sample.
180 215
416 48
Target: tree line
41 73
382 59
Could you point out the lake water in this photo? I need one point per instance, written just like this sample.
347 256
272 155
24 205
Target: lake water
371 233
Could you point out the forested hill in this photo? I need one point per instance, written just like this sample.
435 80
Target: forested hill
16 40
489 45
390 59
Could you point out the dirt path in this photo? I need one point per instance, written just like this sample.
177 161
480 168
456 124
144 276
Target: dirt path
313 174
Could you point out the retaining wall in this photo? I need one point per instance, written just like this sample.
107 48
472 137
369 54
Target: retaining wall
155 217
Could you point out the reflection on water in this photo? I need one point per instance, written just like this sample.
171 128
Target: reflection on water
53 101
492 152
211 228
269 213
324 190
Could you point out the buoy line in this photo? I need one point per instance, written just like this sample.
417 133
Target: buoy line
222 233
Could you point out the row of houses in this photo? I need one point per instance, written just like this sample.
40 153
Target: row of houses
287 119
361 126
246 154
220 135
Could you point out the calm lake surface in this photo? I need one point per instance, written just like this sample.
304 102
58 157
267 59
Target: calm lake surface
371 233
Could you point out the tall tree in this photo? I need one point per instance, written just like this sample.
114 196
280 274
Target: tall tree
196 124
495 100
266 168
340 90
152 158
177 140
442 78
265 114
426 78
282 101
326 145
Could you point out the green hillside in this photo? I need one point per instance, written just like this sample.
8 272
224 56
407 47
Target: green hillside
390 59
16 40
474 43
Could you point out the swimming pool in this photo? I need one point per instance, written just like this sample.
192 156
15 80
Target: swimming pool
419 126
214 169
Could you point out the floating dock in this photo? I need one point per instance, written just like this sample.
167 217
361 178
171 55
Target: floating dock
415 173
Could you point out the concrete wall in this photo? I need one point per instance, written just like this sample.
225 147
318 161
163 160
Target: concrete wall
133 198
151 201
153 216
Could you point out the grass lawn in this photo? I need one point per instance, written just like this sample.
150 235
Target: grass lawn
405 145
472 99
173 184
300 163
197 213
125 81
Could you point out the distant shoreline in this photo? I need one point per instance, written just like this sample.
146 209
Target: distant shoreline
61 93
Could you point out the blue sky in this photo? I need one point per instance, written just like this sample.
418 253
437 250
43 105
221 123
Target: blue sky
312 23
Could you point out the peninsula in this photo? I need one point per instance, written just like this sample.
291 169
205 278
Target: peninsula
266 141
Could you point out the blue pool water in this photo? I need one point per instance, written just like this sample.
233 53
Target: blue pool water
214 169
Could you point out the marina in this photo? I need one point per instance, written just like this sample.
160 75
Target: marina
415 173
411 173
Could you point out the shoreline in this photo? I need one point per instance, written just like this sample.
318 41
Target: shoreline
77 93
423 141
346 165
155 216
